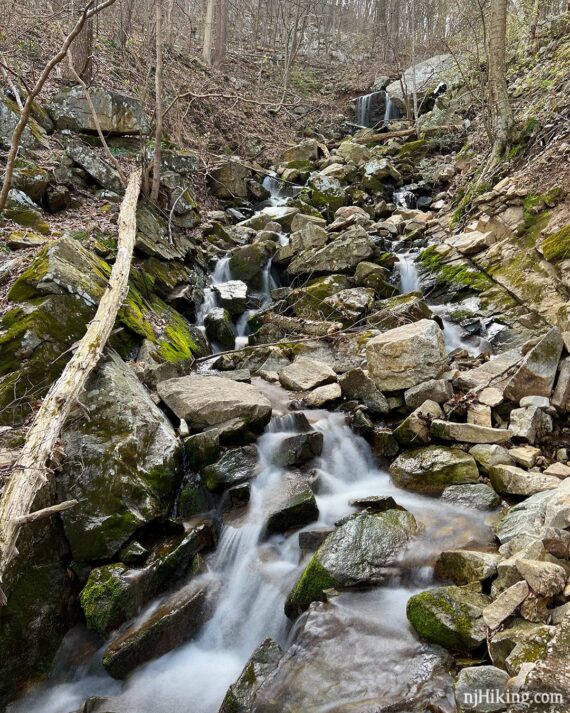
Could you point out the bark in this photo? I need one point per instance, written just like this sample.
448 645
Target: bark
81 53
88 12
499 107
378 138
32 470
221 33
159 113
207 44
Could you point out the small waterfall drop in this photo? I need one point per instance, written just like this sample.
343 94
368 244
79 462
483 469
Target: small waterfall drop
363 110
222 273
409 277
280 191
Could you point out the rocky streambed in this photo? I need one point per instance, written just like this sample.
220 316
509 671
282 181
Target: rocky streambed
323 467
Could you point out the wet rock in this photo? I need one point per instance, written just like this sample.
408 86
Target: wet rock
450 616
465 566
295 507
322 395
478 496
309 302
488 455
415 429
406 356
561 396
204 401
536 375
305 374
241 694
235 466
99 170
431 469
342 255
247 262
220 328
468 432
175 621
384 443
361 551
357 385
117 493
437 390
300 448
373 276
481 689
117 113
282 215
510 480
399 311
505 604
327 193
376 503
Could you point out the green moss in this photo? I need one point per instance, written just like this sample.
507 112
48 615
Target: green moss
310 587
104 598
415 149
453 276
556 247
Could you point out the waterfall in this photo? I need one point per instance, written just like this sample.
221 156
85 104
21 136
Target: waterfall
279 191
268 283
390 112
222 273
409 277
363 110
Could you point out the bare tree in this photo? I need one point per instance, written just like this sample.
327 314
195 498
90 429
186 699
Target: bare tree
158 103
208 34
81 51
499 107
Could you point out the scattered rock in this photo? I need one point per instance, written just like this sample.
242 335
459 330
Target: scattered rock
481 689
488 456
510 480
468 432
478 496
234 467
536 375
464 566
305 374
505 604
357 385
436 390
431 469
323 395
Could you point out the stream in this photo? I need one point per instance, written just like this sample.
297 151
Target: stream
359 647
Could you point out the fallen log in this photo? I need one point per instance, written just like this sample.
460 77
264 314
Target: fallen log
32 469
378 138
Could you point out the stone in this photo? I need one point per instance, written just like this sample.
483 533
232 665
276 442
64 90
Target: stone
241 694
450 616
229 179
247 262
559 470
299 448
399 311
117 493
490 371
480 415
481 689
488 455
530 423
176 620
504 642
510 480
464 566
22 210
524 456
305 374
415 429
311 235
362 550
235 466
376 503
31 180
357 385
431 469
468 432
322 395
204 401
406 356
294 508
561 395
220 328
536 375
383 443
478 496
350 304
437 390
327 193
351 151
536 401
545 579
300 220
490 396
425 76
307 150
99 170
505 604
118 114
33 136
342 255
379 170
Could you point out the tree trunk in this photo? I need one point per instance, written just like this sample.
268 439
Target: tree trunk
221 33
32 469
499 107
207 44
158 110
81 53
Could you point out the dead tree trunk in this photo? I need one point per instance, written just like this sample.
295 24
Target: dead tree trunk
32 469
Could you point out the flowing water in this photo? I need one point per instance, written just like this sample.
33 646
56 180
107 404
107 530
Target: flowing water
363 110
221 273
254 576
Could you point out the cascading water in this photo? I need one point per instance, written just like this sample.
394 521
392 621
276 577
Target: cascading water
263 297
363 110
254 576
221 273
409 276
391 111
280 191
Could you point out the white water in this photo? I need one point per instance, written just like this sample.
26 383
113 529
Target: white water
221 273
255 576
409 276
279 190
363 109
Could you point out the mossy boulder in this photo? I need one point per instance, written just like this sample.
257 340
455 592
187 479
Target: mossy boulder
153 237
450 616
235 466
556 247
342 255
309 302
22 210
327 193
100 170
429 470
465 566
247 262
33 136
122 465
361 551
31 179
398 311
229 180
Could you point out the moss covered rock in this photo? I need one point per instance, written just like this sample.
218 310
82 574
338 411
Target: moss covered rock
31 179
327 193
450 616
431 469
22 210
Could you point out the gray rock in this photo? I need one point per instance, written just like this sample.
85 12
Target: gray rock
524 456
510 480
299 448
489 455
544 578
117 494
220 328
350 304
478 496
22 210
33 136
357 385
204 401
437 390
505 604
465 566
433 468
481 689
490 371
415 429
294 507
305 374
235 466
406 356
342 255
468 432
561 396
322 395
425 76
99 170
536 375
503 642
530 423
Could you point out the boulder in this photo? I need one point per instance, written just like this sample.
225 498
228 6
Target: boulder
176 620
510 480
229 180
358 386
379 171
468 432
465 566
311 235
431 469
353 152
117 493
322 395
488 456
220 328
33 136
247 262
204 401
235 466
399 311
491 371
349 305
31 180
478 496
362 550
425 77
481 689
342 255
294 507
299 448
437 390
22 210
504 642
99 170
118 114
450 616
561 395
546 579
406 356
327 193
505 605
241 694
415 429
530 423
309 302
307 150
536 375
305 374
